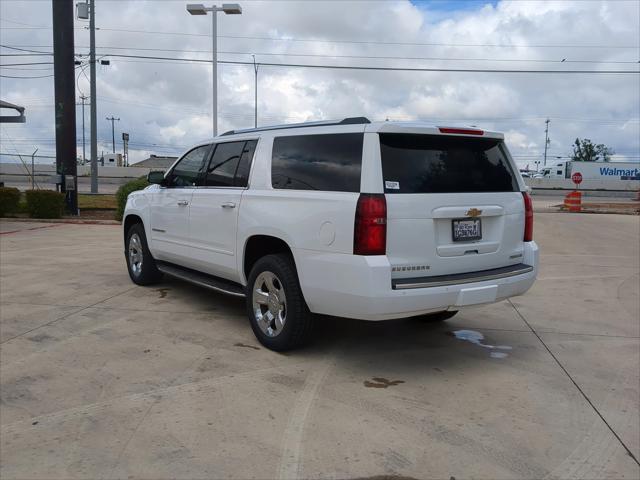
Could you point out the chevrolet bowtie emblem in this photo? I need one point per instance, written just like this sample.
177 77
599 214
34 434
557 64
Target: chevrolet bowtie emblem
473 212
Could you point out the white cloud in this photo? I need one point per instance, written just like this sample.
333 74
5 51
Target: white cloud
165 106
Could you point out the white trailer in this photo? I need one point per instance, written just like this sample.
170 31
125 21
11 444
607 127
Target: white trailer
593 170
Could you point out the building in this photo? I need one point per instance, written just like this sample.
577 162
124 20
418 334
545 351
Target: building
156 162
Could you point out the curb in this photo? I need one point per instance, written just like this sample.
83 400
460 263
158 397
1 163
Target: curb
72 221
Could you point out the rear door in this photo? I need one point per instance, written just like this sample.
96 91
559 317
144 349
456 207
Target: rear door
453 204
213 216
170 205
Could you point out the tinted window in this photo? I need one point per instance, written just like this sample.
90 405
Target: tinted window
189 168
317 162
223 165
244 166
437 164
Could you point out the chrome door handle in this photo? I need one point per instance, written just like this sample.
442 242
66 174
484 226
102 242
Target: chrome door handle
229 205
182 203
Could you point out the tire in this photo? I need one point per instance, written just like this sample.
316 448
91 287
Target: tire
437 316
278 314
140 263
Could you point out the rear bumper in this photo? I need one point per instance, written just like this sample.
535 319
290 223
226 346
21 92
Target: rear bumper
361 287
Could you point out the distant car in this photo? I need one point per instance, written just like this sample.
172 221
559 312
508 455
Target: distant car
352 219
525 174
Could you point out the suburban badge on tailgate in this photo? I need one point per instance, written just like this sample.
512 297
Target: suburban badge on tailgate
473 212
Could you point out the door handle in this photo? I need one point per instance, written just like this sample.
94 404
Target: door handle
183 203
229 205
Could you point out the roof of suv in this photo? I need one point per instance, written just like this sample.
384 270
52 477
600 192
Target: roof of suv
412 127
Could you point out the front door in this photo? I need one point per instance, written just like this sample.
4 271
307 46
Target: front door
213 215
170 207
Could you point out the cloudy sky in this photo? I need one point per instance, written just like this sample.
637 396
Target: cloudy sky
165 104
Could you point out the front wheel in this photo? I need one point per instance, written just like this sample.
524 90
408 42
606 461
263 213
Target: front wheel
279 316
140 263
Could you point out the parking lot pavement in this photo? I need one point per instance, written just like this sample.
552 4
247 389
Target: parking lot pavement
100 378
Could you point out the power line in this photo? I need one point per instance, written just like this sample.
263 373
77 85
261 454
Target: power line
23 64
373 57
376 68
13 76
371 42
359 42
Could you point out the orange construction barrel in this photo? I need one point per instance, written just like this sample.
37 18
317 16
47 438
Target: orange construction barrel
573 201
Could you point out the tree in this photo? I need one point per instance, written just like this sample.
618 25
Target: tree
586 151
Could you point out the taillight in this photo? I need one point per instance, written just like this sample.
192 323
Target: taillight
528 217
370 229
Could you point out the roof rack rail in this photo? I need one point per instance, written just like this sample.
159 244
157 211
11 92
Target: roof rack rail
345 121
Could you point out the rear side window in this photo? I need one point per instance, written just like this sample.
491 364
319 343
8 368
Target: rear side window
439 164
230 164
317 162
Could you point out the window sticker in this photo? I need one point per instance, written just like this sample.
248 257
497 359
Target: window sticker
391 185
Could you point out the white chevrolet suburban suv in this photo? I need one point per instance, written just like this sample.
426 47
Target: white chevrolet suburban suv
351 218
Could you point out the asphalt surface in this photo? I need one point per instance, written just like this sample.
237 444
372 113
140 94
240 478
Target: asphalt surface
103 379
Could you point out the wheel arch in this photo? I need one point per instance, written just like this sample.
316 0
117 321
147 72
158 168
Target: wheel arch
129 221
259 245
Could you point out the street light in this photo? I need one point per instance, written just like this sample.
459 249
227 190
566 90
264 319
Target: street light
229 9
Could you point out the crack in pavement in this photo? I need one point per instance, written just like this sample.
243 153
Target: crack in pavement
586 397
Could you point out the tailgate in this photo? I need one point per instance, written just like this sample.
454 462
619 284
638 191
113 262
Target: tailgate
453 204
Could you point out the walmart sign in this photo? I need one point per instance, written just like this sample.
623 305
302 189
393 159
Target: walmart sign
622 173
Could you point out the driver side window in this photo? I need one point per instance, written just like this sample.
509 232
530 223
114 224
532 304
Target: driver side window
189 168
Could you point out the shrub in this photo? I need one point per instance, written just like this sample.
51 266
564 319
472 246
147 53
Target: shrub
124 191
45 203
9 200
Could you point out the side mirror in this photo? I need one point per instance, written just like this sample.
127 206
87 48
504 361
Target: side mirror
155 178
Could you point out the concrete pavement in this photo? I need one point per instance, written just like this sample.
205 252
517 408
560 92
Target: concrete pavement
101 378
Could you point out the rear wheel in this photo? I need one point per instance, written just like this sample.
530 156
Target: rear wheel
279 316
437 316
140 263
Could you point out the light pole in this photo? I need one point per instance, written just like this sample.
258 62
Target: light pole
255 93
229 9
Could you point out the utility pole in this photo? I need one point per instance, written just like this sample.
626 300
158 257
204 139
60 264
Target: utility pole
65 100
84 156
113 132
33 169
125 148
94 103
546 141
255 93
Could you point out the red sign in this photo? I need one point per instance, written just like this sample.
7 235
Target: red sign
577 178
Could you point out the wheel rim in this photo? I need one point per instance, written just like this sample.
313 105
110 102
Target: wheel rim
269 304
135 254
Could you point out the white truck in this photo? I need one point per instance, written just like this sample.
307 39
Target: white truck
592 170
350 218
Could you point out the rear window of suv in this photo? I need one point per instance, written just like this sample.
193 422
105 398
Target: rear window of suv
330 162
438 164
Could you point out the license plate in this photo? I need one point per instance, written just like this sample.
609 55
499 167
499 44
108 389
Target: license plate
466 229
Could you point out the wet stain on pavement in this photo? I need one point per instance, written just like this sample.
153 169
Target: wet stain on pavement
245 346
162 292
379 382
476 338
42 337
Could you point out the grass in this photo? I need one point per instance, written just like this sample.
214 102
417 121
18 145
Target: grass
85 202
89 202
